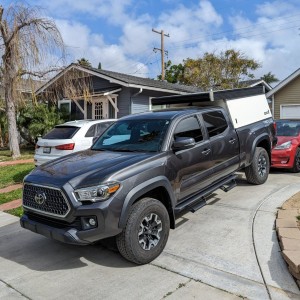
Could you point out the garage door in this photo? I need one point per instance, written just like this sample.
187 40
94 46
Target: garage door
290 112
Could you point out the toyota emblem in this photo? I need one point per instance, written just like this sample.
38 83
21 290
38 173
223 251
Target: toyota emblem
40 198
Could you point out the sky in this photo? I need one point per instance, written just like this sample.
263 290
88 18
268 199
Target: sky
118 33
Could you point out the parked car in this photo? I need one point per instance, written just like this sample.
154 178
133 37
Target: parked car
287 152
147 169
68 138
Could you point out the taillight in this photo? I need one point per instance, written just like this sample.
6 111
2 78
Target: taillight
275 127
65 147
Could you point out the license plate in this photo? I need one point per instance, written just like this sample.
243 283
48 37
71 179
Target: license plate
47 150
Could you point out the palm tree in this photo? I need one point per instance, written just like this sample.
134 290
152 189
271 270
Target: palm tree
84 62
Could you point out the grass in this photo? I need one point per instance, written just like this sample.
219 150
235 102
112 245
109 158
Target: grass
18 212
26 153
14 174
10 196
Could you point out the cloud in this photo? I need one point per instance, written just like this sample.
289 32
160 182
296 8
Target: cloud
123 40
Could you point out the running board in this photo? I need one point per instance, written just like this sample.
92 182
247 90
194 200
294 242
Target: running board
196 202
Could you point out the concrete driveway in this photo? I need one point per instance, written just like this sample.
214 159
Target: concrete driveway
226 250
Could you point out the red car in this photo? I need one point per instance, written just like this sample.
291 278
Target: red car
287 152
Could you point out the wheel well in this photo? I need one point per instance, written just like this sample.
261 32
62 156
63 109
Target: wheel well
161 194
266 145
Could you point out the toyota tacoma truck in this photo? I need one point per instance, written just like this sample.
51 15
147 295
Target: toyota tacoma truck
147 169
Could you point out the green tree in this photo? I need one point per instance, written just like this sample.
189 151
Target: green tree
173 73
84 62
221 71
27 40
269 78
37 120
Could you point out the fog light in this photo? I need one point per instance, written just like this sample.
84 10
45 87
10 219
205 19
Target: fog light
92 222
88 222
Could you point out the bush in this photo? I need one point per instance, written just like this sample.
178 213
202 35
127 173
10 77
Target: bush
37 120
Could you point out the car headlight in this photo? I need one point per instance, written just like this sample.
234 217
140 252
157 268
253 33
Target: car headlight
97 193
285 145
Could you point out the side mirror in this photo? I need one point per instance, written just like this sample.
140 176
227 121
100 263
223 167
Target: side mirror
183 143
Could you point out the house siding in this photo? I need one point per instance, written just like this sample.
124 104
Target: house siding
101 84
140 104
124 102
290 94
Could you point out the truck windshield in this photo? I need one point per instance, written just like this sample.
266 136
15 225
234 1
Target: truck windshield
133 136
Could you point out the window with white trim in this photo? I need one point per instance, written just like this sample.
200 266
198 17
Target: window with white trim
64 106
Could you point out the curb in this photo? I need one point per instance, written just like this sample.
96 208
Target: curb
288 232
11 205
16 162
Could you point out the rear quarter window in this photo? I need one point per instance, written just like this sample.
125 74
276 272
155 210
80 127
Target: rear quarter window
61 132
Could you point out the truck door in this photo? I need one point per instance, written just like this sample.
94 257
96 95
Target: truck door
224 143
190 167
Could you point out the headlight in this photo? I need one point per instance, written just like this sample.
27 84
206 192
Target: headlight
97 193
285 145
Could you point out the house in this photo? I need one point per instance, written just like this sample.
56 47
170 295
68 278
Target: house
89 93
285 97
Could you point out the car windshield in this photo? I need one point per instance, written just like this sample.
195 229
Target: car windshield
61 132
288 128
133 136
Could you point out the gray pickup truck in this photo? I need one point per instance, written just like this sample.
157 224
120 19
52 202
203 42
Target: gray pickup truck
148 168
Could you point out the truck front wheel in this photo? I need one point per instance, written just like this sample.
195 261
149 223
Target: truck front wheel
258 171
146 232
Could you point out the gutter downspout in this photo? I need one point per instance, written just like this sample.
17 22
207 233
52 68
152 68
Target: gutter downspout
134 95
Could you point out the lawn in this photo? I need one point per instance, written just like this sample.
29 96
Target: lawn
13 195
26 153
16 211
14 174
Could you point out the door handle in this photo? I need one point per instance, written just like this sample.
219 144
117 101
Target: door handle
232 141
206 151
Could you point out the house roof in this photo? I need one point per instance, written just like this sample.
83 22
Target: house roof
126 80
256 82
283 83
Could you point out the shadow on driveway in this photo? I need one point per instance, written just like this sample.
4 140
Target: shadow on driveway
41 254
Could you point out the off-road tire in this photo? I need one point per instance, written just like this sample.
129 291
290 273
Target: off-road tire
258 171
296 167
128 242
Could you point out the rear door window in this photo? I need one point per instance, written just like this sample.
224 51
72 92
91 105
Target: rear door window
215 122
61 132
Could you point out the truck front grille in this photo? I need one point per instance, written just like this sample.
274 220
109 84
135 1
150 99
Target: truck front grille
47 200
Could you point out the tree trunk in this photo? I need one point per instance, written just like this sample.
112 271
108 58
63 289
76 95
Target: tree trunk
12 123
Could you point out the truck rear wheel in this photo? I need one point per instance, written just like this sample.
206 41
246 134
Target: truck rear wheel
146 232
258 171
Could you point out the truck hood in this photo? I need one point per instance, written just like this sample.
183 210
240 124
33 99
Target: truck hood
84 168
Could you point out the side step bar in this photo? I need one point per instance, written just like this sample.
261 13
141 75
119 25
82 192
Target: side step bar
196 202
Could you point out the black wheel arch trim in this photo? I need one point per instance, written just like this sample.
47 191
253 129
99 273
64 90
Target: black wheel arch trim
142 189
256 142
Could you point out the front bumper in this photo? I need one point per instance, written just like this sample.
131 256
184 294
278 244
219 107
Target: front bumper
283 158
68 236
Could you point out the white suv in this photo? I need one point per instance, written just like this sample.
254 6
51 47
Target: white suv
68 138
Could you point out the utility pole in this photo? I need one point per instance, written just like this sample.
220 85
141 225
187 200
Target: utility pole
162 51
